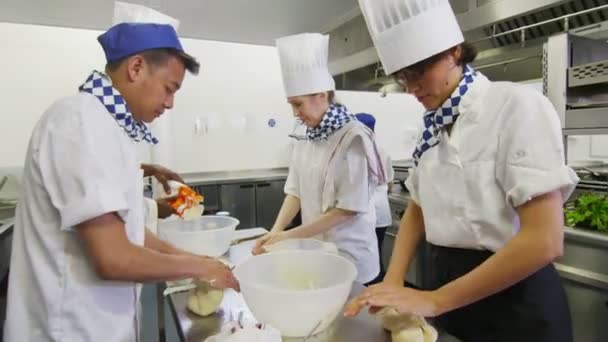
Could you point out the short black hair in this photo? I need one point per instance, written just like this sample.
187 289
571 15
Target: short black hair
160 57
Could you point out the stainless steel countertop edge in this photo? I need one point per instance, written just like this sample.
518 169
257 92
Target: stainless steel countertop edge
227 177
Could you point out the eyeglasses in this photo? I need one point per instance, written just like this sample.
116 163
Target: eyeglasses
415 72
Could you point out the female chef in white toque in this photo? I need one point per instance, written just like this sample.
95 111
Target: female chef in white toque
487 191
335 165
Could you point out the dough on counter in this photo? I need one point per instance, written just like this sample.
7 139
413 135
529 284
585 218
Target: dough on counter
204 299
406 328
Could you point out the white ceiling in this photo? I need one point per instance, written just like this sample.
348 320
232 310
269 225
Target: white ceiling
243 21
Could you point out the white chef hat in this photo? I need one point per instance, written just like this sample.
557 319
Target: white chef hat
125 12
408 31
303 60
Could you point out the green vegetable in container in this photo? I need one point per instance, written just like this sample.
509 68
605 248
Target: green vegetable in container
590 211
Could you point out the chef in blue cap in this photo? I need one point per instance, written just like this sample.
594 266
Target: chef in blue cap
80 248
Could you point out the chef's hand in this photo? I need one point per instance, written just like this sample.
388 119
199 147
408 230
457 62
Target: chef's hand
405 300
164 207
217 274
162 175
267 240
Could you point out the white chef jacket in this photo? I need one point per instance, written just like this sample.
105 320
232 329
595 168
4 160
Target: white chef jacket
80 164
383 209
505 148
356 238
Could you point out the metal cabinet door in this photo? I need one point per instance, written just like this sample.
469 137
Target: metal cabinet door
212 198
239 201
414 273
588 300
269 198
387 248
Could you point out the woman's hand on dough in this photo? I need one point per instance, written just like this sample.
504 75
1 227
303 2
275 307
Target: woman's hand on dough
266 240
404 300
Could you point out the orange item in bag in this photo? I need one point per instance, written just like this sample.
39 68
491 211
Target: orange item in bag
186 199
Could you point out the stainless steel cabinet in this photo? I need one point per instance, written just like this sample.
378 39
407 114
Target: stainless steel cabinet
239 201
254 204
269 198
212 198
588 300
415 272
584 272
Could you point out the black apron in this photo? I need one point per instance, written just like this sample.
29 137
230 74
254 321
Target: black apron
534 310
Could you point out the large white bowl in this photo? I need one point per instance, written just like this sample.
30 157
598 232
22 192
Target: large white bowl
302 244
294 290
208 235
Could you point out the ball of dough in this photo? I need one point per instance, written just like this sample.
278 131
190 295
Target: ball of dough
411 334
406 328
204 299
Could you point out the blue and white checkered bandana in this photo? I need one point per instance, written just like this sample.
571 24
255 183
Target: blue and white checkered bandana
445 115
336 116
100 85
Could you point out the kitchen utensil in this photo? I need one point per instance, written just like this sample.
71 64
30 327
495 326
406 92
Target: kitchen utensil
249 238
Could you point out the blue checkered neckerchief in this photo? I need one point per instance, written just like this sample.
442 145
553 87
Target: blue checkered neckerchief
445 115
336 116
100 85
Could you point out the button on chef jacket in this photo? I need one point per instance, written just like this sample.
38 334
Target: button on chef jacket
504 149
80 164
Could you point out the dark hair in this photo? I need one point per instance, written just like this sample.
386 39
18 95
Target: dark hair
467 56
331 96
158 58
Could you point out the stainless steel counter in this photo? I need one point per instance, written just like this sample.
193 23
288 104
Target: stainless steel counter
226 177
193 328
399 198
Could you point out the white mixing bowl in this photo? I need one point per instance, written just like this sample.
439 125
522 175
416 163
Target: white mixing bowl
294 290
208 235
302 244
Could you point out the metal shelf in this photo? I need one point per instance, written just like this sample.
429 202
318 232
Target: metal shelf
584 131
588 74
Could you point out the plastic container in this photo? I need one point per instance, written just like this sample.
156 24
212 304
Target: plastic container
207 235
302 244
294 290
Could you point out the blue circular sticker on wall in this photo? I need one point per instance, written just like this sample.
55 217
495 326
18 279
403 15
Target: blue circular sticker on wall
272 123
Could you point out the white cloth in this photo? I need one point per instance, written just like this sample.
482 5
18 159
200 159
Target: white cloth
505 148
335 174
408 31
80 164
303 60
361 136
125 12
383 209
